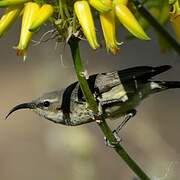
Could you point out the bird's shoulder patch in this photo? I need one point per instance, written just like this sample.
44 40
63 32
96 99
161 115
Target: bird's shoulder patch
105 81
115 94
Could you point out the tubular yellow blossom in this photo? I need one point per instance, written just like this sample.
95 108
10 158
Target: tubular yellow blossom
6 3
41 16
175 19
109 31
8 18
101 5
124 2
84 16
129 21
30 11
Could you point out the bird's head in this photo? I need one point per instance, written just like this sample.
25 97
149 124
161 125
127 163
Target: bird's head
47 106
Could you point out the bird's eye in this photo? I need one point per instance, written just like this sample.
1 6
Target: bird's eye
46 103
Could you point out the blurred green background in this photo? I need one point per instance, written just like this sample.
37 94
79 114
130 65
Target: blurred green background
34 148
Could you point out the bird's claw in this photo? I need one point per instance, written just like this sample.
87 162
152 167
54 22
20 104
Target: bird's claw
118 138
113 144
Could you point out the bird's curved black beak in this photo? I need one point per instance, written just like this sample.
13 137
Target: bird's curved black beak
30 105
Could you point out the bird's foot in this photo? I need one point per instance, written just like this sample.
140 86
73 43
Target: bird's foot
113 144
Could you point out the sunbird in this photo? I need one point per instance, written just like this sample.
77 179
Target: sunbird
117 94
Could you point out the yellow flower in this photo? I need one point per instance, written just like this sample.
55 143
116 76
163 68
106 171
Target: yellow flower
175 19
6 3
41 16
129 21
8 18
109 31
30 11
101 5
124 2
176 25
83 13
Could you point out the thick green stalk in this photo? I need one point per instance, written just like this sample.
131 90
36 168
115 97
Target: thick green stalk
65 8
157 26
81 74
74 45
61 13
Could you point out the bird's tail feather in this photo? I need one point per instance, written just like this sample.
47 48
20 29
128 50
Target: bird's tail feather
169 84
160 69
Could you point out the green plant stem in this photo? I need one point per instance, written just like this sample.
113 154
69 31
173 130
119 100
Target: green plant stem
61 13
157 26
81 74
74 45
74 23
65 8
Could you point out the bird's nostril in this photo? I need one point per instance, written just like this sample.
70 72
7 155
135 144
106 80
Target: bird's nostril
59 108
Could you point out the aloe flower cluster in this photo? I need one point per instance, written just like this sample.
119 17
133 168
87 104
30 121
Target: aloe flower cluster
108 11
76 17
33 16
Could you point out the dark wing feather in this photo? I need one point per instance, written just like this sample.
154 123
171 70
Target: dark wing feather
142 72
103 82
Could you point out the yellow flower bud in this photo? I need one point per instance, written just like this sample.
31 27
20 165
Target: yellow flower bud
83 13
29 14
175 19
101 5
129 21
6 3
109 31
124 2
176 25
41 16
8 18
